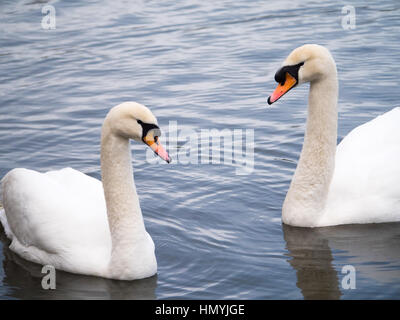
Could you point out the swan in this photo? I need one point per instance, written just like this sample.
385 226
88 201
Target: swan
357 181
79 224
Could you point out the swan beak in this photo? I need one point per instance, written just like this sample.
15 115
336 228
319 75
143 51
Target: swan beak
282 88
155 145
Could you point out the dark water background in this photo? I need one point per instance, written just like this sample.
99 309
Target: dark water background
205 65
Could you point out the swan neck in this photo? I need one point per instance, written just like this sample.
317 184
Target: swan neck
123 209
309 189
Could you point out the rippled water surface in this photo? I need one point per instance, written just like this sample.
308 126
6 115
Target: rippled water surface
204 65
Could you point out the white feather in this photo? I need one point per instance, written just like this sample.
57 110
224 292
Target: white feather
365 187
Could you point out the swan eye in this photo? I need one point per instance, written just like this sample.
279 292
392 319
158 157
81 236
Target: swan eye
147 127
293 70
139 121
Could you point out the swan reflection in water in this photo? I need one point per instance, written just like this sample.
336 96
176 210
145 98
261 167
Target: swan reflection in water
318 255
24 279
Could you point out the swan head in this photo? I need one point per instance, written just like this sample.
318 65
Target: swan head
308 63
132 120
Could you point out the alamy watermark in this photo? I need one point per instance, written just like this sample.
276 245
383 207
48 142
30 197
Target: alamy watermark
349 18
233 147
49 280
49 19
349 280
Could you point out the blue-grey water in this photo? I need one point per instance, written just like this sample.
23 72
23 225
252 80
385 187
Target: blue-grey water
204 65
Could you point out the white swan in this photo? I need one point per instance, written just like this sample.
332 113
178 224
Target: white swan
65 219
356 182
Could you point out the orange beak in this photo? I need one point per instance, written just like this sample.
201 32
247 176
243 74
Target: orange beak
156 146
282 88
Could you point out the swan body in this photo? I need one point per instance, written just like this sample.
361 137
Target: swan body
57 218
365 187
352 183
77 223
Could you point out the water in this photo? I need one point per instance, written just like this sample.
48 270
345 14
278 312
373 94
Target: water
204 65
